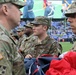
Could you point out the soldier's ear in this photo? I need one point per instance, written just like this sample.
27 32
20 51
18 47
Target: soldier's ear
5 9
44 27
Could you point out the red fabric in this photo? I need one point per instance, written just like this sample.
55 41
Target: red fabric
71 58
47 55
44 3
65 66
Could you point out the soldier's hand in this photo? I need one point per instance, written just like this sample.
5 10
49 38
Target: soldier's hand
28 56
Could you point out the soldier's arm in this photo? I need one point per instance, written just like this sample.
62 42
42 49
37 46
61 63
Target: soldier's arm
55 49
22 48
5 64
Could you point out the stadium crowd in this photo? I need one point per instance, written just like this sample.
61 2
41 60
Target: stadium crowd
61 32
58 30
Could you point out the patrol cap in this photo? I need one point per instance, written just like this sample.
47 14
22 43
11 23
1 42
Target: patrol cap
71 10
20 29
16 2
28 25
41 20
12 33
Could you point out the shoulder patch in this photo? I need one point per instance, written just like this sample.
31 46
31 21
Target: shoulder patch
1 56
5 38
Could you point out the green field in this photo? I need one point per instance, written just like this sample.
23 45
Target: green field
66 46
39 10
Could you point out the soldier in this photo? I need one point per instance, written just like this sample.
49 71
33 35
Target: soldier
28 29
43 44
71 15
11 62
20 32
29 40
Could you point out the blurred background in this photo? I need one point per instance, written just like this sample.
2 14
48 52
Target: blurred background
59 29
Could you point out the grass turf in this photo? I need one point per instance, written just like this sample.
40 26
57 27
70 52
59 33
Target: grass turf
66 46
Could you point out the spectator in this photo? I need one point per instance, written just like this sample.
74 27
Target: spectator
20 32
29 41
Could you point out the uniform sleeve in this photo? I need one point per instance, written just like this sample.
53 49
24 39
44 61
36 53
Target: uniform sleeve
22 47
56 49
5 64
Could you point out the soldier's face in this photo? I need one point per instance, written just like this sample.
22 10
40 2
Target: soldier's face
72 20
13 15
16 13
19 33
28 30
38 30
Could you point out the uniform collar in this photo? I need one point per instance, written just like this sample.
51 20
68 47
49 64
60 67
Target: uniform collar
6 32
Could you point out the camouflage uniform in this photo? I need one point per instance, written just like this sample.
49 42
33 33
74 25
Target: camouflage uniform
20 38
9 57
11 62
47 46
71 13
20 41
14 34
28 42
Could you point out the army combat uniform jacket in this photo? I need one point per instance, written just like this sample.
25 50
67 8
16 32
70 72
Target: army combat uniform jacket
47 46
20 41
28 44
11 62
74 46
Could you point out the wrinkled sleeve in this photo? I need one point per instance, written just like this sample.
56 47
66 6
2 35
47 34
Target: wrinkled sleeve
56 49
22 47
5 64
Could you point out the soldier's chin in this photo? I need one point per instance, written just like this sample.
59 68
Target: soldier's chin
34 34
74 32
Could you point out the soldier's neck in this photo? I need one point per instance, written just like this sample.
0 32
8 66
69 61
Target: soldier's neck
42 37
